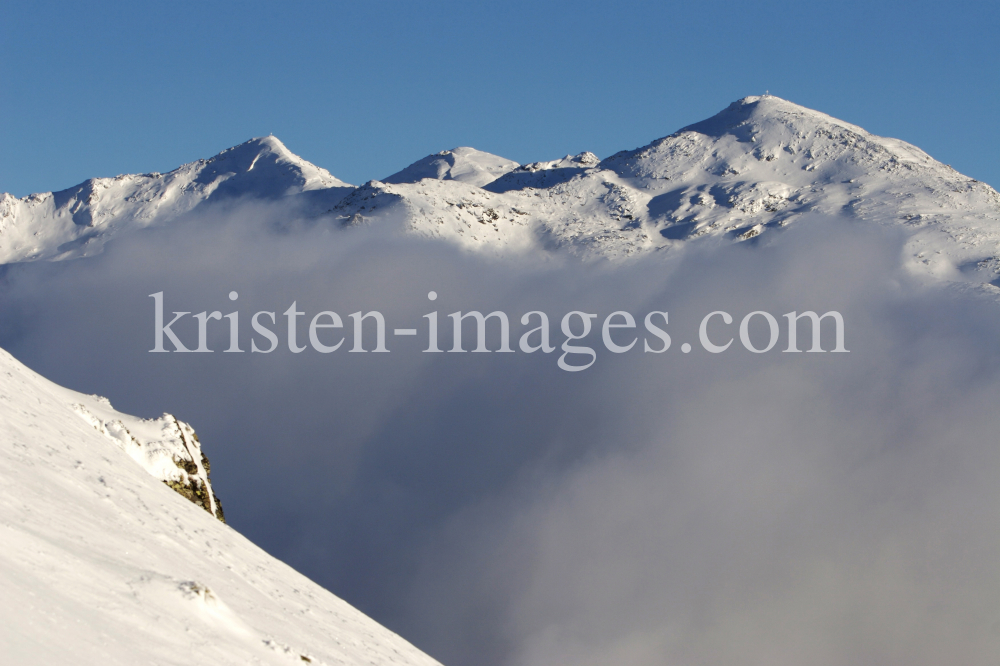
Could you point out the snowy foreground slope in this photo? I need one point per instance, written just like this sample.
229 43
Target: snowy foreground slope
103 564
761 164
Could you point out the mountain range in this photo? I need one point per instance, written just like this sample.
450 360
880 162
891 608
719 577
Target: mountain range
761 164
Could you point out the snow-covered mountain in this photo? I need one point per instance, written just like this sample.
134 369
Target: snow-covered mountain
103 564
78 221
761 164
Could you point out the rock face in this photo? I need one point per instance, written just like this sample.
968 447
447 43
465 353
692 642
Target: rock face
166 448
196 487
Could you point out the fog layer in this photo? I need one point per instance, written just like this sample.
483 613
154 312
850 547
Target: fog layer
773 508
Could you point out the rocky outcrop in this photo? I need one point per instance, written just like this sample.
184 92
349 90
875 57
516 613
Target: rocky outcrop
167 448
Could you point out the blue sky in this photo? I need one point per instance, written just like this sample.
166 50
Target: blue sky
363 89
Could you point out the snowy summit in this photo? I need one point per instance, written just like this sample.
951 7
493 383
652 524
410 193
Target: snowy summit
467 165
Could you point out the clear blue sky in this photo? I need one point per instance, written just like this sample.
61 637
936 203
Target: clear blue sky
363 89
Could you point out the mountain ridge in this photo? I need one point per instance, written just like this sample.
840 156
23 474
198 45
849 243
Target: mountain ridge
758 165
77 221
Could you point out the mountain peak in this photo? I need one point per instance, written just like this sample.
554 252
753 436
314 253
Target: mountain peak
762 111
78 220
773 130
275 164
463 164
259 146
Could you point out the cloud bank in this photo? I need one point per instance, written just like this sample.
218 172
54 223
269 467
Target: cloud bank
657 508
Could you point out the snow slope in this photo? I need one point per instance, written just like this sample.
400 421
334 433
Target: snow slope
103 564
759 165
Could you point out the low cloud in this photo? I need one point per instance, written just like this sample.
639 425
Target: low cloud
656 508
